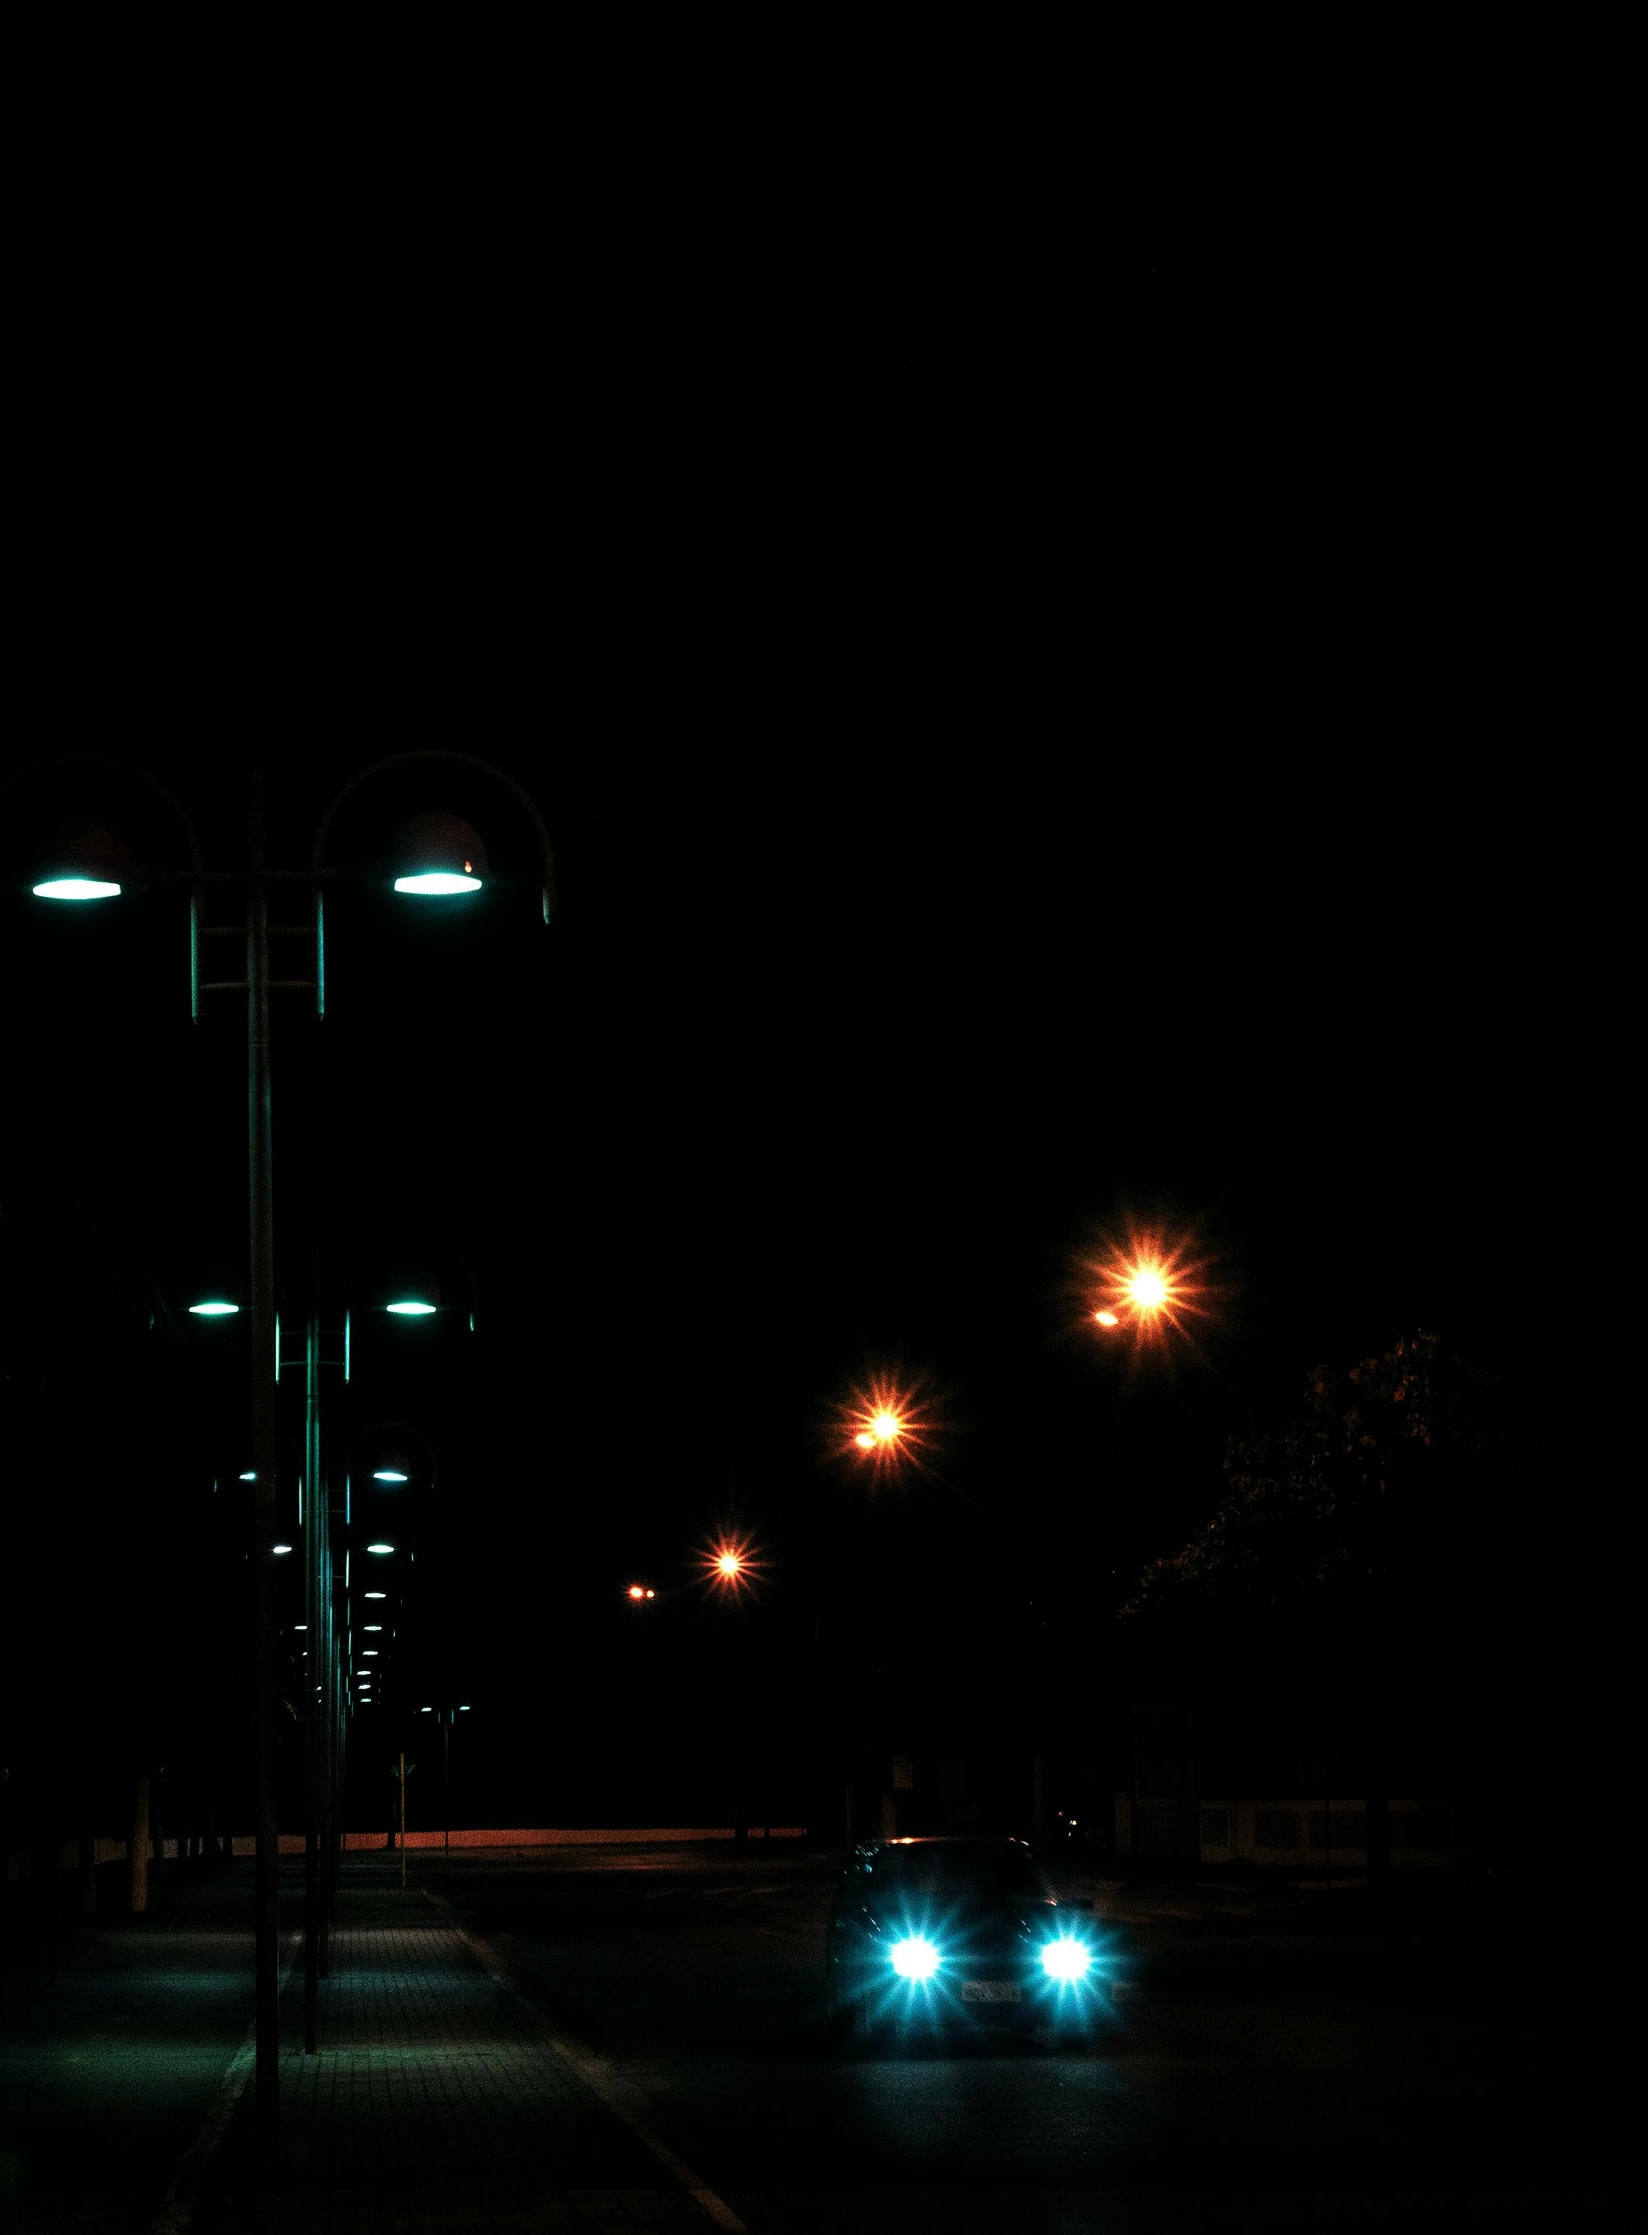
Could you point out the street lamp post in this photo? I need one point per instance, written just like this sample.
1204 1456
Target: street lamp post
318 1717
449 860
446 1716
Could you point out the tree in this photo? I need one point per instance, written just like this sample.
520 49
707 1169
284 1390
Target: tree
1363 1531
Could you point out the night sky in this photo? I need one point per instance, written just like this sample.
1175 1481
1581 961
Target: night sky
1023 751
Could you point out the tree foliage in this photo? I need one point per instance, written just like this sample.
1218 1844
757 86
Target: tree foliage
1371 1511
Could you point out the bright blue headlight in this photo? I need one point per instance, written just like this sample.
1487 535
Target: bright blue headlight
1067 1960
915 1958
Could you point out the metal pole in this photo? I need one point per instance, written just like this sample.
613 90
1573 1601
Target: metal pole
265 1643
329 1759
340 1789
314 1696
403 1819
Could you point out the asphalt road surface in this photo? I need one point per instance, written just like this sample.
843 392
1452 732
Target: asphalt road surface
1272 2064
1272 2067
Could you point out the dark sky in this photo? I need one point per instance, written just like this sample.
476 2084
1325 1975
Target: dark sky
1032 728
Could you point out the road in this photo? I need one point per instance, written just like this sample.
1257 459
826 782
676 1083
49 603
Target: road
1272 2067
1261 2060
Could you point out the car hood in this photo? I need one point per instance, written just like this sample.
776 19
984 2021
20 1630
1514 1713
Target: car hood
967 1919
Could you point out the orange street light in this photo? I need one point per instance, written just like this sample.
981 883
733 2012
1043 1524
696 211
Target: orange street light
883 1428
730 1563
884 1422
639 1593
1152 1284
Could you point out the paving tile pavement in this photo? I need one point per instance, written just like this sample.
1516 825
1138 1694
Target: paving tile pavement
436 2101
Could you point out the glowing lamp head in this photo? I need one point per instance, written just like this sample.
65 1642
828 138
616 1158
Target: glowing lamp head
1148 1288
637 1591
884 1422
437 856
214 1307
729 1563
1067 1960
389 1474
380 1547
915 1958
76 888
84 862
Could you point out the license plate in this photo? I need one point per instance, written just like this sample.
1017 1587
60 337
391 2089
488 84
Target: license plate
989 1990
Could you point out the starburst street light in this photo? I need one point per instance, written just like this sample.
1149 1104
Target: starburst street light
730 1564
1147 1285
1148 1288
884 1428
884 1423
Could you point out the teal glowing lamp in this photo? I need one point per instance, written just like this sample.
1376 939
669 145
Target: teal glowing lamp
437 856
91 864
415 1297
215 1307
389 1474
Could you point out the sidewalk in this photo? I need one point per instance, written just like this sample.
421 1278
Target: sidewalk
438 2102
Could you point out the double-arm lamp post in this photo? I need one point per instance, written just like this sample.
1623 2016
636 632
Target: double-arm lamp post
443 856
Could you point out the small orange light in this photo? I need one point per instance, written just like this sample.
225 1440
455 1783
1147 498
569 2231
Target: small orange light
888 1423
637 1592
1152 1285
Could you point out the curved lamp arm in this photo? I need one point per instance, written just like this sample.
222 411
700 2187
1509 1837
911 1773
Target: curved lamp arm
126 768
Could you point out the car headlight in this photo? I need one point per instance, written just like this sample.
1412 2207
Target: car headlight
915 1958
1067 1960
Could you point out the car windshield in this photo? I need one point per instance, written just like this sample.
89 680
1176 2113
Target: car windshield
959 1873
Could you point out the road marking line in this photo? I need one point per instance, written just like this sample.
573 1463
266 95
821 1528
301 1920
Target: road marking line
181 2198
619 2095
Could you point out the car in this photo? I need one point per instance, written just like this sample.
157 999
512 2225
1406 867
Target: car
931 1934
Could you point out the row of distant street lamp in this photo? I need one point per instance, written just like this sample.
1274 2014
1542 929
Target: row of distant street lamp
436 854
219 1307
1142 1286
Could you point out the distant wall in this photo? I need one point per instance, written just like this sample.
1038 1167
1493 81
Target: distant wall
1280 1832
20 1862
